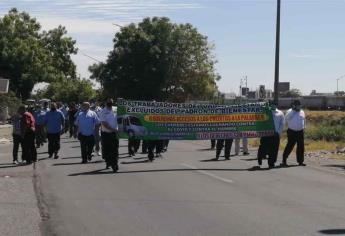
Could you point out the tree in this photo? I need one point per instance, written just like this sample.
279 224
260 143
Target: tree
77 90
157 59
28 56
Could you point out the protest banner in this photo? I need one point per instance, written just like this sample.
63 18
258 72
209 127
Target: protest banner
183 121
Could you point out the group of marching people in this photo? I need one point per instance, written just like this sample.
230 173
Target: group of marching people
269 145
94 126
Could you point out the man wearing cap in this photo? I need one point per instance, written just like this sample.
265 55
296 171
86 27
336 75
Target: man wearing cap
295 119
86 123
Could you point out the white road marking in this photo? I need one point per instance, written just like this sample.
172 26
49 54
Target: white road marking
207 173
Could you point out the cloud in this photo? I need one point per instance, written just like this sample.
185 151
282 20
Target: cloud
307 56
90 22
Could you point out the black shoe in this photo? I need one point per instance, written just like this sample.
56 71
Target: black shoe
115 168
284 164
50 155
245 153
302 164
227 158
270 166
56 156
83 161
107 166
89 158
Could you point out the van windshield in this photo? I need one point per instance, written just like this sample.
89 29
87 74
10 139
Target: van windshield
135 121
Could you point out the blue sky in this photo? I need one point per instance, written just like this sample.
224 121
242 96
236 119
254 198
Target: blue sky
243 31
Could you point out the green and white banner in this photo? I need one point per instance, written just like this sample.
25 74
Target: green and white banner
183 121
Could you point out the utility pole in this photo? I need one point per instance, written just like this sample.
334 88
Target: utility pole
276 74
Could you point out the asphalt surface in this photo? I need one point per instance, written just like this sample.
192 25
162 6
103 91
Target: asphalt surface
185 193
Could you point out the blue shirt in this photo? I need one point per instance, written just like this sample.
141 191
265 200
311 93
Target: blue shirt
54 121
86 122
40 117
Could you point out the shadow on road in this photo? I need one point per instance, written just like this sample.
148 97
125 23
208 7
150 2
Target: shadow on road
9 166
206 149
72 141
72 157
333 231
101 172
215 159
134 162
336 166
250 159
76 163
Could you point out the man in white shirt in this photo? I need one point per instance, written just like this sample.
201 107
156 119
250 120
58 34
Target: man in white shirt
295 119
270 145
109 138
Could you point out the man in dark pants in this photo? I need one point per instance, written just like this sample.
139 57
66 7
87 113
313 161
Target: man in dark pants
54 121
227 148
144 147
270 145
27 126
131 146
295 119
17 138
109 136
86 122
151 145
213 143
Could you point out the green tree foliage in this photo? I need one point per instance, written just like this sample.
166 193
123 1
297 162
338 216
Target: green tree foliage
11 101
67 90
157 59
29 56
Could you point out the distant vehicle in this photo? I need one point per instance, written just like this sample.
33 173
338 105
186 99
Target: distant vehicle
131 125
43 101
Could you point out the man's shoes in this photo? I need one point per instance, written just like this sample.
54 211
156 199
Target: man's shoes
56 156
302 164
15 162
227 158
245 153
284 164
107 166
83 161
50 155
115 168
89 158
270 166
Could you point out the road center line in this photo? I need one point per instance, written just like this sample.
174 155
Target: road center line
207 173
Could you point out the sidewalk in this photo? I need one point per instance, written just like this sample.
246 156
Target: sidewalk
5 134
19 215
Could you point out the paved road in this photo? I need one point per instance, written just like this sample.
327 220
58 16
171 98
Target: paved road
185 194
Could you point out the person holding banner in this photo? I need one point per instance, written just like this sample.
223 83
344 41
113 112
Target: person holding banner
270 145
295 119
227 148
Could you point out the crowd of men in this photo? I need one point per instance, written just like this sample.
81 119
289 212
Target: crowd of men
95 124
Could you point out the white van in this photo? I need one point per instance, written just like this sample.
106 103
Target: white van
131 125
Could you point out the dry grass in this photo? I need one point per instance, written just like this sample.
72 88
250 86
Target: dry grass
318 121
